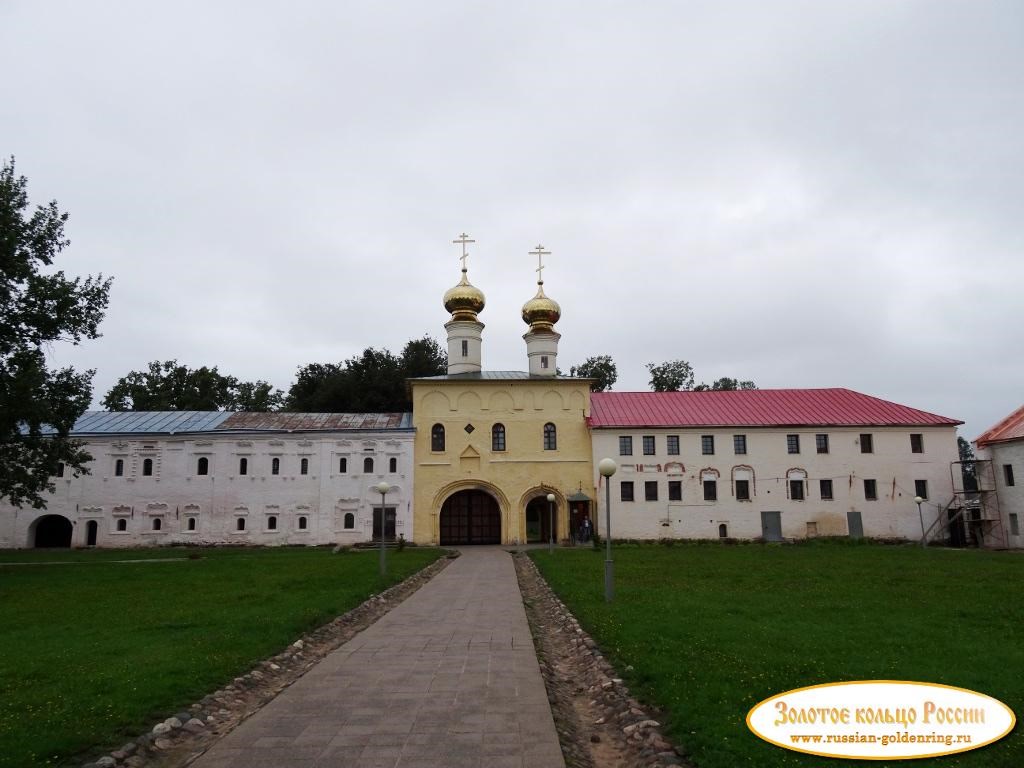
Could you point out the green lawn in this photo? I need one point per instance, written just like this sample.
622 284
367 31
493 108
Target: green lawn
710 630
94 651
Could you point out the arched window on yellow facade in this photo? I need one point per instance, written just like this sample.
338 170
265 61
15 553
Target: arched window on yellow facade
498 437
437 437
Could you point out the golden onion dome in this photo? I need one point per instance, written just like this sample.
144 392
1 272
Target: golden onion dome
540 312
464 300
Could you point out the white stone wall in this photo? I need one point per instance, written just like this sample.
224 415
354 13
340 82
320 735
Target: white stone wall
768 465
1010 498
175 492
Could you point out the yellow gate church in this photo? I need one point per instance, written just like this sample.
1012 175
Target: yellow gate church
491 446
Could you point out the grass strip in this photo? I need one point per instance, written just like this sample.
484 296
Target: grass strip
710 630
95 651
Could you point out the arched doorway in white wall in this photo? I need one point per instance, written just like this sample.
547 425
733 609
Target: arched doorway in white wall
51 531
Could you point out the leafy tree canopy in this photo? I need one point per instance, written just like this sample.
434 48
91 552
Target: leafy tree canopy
671 376
725 384
601 369
169 386
677 375
965 449
968 468
39 306
373 381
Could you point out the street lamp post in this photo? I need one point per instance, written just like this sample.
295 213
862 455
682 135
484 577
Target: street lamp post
551 523
382 489
918 500
607 468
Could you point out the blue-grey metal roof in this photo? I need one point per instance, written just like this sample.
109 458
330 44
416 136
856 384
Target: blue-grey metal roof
176 422
496 376
151 422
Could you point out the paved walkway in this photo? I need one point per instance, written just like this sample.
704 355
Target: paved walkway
448 678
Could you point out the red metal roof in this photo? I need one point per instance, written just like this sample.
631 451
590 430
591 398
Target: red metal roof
754 408
1010 428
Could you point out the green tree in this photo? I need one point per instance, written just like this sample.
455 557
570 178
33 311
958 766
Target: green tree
169 386
423 357
725 384
373 381
968 470
257 396
671 376
38 407
601 369
317 387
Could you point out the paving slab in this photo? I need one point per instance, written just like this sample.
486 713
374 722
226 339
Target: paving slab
447 678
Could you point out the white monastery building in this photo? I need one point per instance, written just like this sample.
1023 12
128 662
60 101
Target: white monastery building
1000 472
512 456
784 463
188 477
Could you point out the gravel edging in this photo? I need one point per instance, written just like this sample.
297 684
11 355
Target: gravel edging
599 724
186 735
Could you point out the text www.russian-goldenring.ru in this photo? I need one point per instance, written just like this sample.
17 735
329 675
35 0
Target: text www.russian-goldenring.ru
885 740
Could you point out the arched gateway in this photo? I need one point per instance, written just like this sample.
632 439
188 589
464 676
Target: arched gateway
470 517
51 531
539 521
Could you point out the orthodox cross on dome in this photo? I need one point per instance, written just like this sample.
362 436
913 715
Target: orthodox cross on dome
463 240
540 253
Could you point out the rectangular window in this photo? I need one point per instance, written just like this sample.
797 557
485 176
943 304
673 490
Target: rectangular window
793 443
921 488
1014 524
465 348
796 490
625 446
867 444
742 490
1008 473
626 490
648 445
825 488
651 490
710 490
870 490
60 469
675 490
821 443
544 361
739 444
917 443
707 445
672 444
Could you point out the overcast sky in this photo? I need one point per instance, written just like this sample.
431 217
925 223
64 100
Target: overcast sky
806 194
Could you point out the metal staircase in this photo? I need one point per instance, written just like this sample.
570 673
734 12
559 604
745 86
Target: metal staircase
972 517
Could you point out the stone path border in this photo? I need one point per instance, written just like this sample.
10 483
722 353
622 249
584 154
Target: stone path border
599 724
185 736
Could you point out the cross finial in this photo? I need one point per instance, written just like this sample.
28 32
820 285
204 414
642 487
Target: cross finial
463 240
540 253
